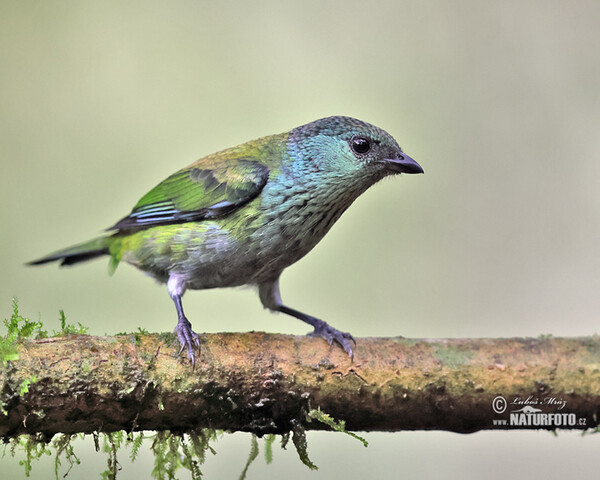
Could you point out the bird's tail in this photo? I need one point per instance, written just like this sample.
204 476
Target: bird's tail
78 253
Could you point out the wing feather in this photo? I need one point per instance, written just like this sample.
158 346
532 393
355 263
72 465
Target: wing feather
198 192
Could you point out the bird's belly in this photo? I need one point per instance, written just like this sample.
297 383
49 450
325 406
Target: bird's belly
209 255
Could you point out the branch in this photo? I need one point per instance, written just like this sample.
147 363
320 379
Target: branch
264 383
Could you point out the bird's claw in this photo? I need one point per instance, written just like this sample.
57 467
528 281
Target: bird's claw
331 334
188 339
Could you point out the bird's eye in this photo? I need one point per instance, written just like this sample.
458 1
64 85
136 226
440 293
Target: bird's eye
360 145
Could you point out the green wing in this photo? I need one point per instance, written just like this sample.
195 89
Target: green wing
198 192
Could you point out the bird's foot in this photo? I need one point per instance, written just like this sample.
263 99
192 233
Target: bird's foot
189 340
331 334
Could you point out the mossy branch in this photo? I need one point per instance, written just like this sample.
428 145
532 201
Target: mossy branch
266 383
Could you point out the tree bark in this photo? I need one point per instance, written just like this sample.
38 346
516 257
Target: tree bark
264 383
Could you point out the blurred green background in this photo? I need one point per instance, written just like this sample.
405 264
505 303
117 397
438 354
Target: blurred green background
498 101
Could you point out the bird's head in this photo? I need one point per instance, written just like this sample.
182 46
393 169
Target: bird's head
340 146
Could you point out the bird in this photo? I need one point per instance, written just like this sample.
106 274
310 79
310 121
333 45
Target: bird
242 215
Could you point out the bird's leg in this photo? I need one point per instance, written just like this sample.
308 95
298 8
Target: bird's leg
323 329
271 299
176 284
188 339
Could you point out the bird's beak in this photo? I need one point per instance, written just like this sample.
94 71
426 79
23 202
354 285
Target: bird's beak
402 164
